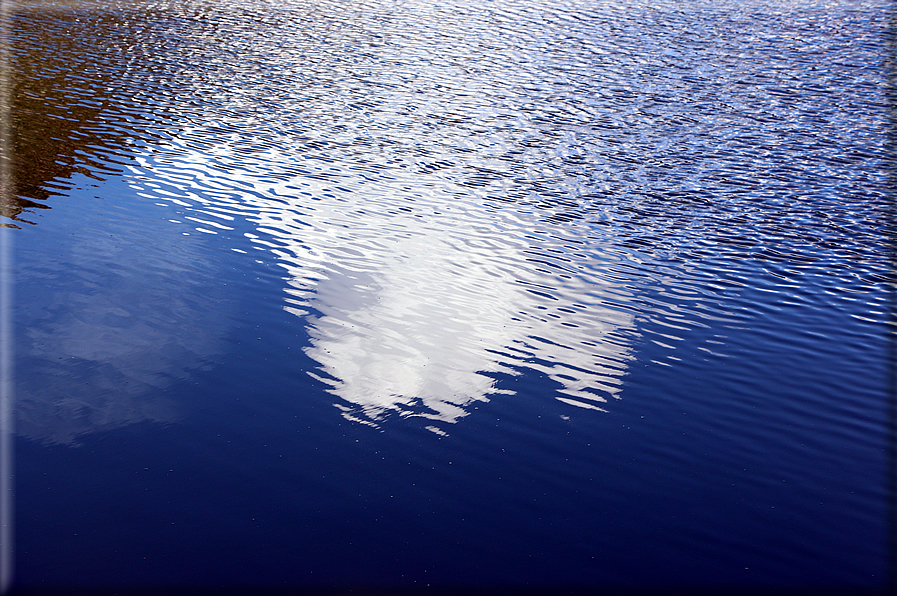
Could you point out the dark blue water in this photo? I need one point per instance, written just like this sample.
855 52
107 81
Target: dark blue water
487 295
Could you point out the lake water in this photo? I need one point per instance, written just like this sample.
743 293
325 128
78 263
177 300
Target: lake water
480 295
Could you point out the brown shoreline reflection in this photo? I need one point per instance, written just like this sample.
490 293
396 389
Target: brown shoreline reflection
125 307
74 105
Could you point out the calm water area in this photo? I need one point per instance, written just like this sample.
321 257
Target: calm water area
474 295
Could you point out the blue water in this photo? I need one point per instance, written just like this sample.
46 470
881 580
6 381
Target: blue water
490 295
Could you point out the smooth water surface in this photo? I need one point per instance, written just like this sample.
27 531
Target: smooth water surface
489 294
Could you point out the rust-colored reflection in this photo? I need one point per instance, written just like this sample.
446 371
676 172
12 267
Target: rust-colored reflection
76 71
109 321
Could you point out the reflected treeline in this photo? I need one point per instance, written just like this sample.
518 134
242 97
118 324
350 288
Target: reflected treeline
83 89
126 306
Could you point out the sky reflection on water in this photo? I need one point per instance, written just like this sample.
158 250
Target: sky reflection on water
114 318
629 264
413 297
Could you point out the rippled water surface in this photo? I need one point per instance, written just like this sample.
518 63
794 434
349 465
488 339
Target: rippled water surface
461 294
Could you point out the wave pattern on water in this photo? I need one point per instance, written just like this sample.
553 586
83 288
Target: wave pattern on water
675 212
465 189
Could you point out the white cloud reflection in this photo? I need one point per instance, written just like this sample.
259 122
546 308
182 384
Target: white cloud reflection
114 315
352 141
413 290
419 334
365 146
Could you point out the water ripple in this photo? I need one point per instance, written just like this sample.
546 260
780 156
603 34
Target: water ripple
465 190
